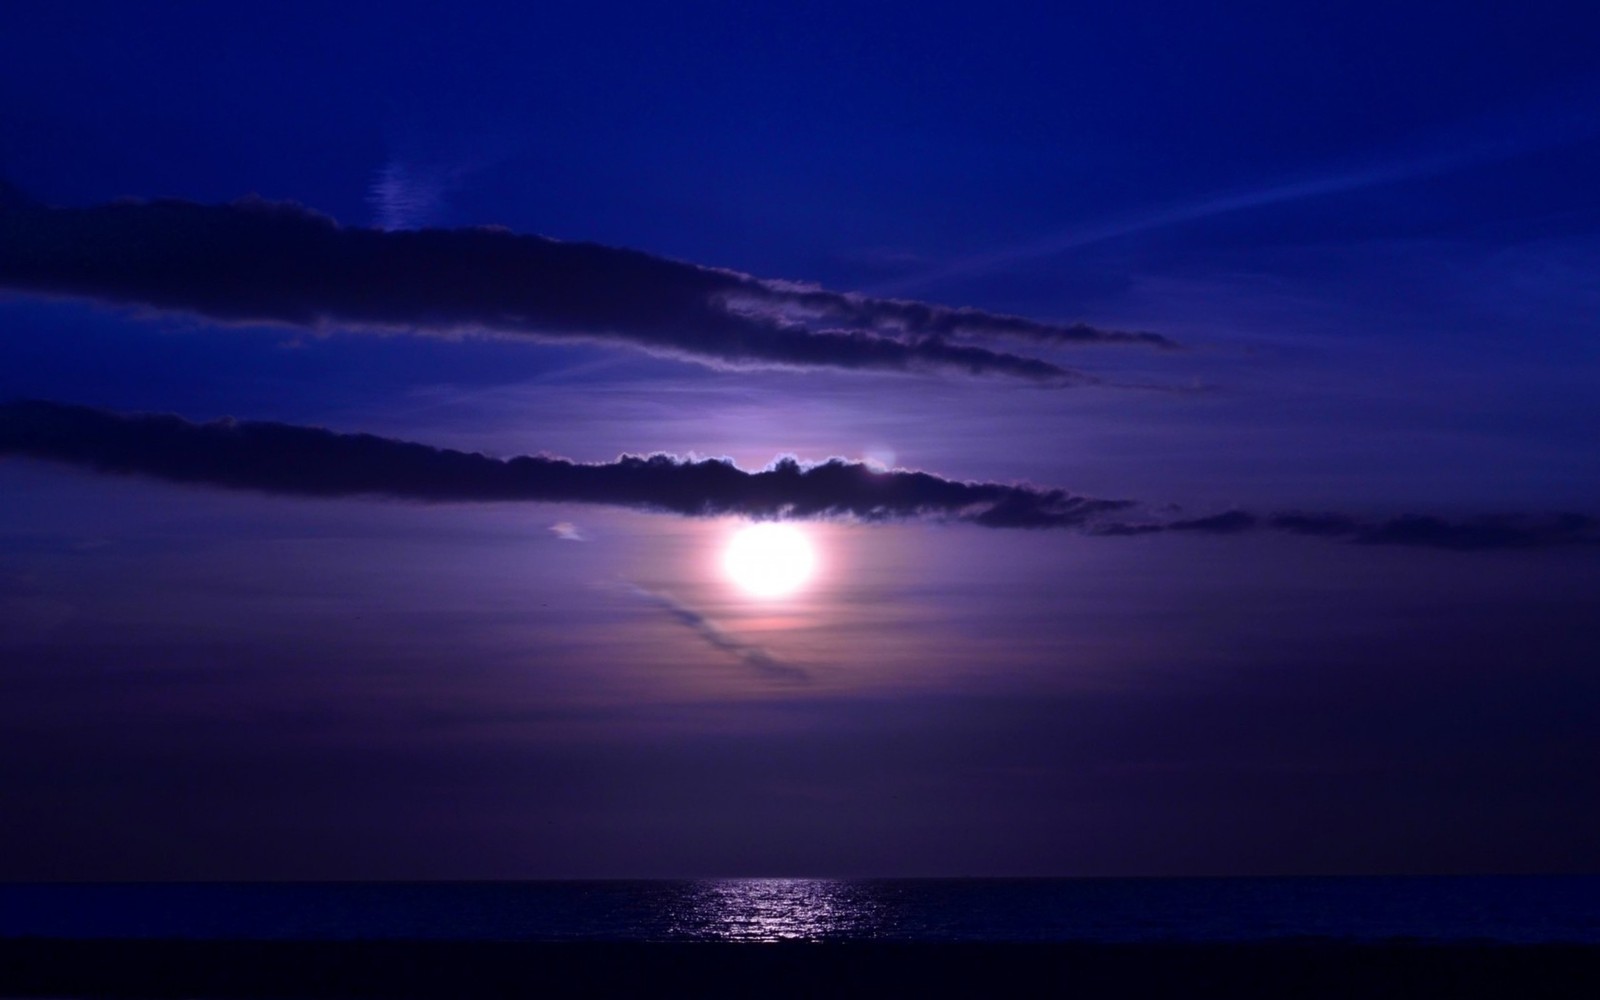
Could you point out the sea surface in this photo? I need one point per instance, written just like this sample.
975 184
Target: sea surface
1503 909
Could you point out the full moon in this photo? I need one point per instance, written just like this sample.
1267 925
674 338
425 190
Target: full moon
769 559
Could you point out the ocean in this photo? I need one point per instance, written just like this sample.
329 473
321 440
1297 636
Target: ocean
1489 910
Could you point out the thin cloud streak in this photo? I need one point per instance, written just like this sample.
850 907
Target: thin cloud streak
1550 125
714 636
1160 218
1484 533
306 461
255 261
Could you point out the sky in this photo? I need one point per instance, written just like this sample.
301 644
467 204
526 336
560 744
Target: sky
1191 412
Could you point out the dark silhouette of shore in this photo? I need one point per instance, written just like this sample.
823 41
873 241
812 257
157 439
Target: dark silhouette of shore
326 969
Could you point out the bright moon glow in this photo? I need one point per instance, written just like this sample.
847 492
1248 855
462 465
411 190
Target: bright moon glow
769 559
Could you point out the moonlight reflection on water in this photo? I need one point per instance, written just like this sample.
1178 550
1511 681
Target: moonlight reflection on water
1505 909
780 909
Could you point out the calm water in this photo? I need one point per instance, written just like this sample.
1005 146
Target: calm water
1510 909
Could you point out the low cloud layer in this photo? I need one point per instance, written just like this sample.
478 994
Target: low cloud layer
258 261
1489 531
307 461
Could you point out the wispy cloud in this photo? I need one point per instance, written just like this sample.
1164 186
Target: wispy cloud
307 461
1558 121
717 638
258 261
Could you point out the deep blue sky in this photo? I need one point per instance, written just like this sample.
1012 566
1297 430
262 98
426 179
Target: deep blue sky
1373 228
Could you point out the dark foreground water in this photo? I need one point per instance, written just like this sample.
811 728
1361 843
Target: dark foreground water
1505 910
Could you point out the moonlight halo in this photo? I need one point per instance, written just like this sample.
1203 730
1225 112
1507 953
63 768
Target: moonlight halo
769 559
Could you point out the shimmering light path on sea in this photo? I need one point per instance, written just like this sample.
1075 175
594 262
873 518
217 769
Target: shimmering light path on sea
1508 909
782 910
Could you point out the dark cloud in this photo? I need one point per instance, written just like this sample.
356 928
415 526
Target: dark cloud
309 461
923 319
1230 522
1503 531
280 458
714 636
1323 525
258 261
1499 531
12 197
